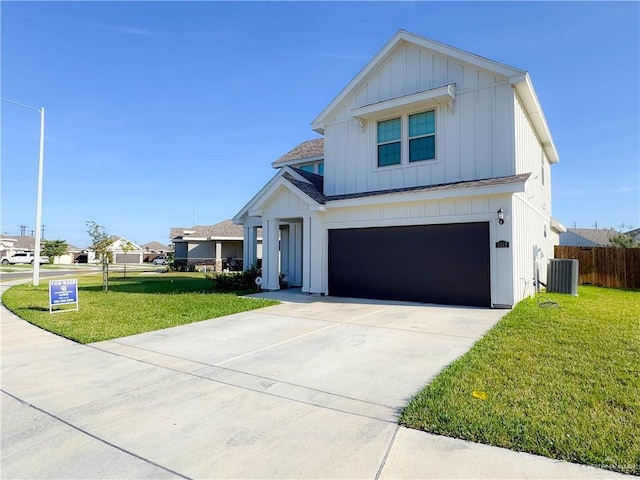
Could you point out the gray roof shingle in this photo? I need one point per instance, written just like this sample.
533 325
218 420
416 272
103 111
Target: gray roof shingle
315 189
224 229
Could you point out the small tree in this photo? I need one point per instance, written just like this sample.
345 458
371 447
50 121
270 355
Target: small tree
623 240
100 242
126 248
54 248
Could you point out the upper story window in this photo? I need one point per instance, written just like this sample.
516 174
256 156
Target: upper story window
389 142
422 136
410 136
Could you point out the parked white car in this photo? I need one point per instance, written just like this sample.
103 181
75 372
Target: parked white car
22 258
160 261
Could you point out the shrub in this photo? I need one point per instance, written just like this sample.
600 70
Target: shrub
234 281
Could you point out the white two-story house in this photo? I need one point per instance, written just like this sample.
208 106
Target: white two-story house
431 183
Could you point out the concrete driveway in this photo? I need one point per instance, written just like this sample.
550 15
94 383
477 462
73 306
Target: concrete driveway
308 389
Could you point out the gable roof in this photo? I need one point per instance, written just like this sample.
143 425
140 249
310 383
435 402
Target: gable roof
587 236
635 234
310 149
225 229
517 77
154 246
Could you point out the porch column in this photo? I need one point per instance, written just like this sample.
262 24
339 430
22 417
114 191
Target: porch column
285 249
249 246
295 257
218 260
306 254
318 258
270 254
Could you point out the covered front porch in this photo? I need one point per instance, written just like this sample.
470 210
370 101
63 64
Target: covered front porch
294 240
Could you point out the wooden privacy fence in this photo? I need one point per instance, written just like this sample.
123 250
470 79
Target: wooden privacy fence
605 266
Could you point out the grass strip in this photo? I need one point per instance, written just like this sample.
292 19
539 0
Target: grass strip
560 382
136 304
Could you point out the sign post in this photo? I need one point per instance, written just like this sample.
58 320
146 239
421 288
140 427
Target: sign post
63 292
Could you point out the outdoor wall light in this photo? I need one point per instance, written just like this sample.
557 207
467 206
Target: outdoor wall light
500 213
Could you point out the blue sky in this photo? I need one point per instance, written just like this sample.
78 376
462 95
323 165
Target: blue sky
161 112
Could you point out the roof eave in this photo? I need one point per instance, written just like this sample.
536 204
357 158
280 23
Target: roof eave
527 93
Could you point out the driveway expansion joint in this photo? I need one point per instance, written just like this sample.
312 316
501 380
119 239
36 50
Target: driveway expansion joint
95 437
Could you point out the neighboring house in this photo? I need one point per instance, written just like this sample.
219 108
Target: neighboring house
587 237
154 249
219 245
6 245
436 185
134 255
12 245
72 256
635 234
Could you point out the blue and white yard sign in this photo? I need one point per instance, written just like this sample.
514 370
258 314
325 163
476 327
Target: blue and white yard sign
63 292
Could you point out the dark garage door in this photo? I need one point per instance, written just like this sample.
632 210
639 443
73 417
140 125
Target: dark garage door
445 264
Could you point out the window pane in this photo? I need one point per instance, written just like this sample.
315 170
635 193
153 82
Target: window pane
423 148
389 130
321 168
389 154
422 124
307 168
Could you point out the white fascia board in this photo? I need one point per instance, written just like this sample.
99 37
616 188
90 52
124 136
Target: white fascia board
426 196
428 98
222 239
527 94
238 219
255 209
558 226
317 124
298 161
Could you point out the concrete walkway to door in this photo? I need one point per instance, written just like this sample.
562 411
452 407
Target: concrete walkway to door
308 389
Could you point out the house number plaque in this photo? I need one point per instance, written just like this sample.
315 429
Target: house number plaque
502 244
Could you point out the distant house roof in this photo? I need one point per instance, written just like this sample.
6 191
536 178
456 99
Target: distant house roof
225 229
311 149
587 237
23 242
154 246
635 234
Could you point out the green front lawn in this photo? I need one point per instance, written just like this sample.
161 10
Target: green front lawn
136 304
560 382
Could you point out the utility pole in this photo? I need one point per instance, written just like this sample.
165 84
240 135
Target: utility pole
43 228
32 233
23 229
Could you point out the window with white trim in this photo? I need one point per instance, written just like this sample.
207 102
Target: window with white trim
389 142
411 136
422 136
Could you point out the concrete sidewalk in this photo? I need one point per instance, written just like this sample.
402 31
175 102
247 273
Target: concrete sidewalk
291 391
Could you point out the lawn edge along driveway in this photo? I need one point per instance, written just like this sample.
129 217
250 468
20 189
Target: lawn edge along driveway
559 381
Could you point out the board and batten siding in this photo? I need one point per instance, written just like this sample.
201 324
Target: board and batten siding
284 204
531 209
529 227
473 141
431 212
530 158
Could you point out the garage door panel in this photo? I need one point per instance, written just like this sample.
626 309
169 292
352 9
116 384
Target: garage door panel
447 264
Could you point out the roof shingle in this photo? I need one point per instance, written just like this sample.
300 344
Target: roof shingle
308 149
